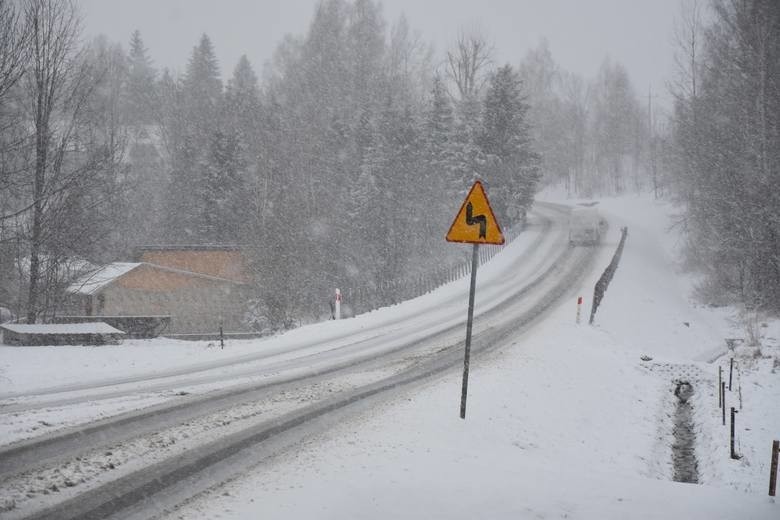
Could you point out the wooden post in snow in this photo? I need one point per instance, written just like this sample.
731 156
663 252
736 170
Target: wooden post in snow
731 372
733 453
773 468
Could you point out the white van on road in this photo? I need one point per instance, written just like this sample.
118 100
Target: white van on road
586 226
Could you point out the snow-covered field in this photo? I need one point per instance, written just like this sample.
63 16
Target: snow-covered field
565 421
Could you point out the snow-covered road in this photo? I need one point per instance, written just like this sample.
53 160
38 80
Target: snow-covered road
294 378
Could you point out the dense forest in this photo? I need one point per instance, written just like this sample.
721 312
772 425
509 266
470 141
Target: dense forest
726 156
343 164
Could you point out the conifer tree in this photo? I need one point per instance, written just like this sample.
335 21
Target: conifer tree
193 165
202 88
242 101
443 177
141 100
512 166
440 126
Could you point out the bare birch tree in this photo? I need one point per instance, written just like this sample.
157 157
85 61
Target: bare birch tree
467 63
687 39
13 38
67 160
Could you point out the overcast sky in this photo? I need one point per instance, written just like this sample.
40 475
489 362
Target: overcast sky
581 33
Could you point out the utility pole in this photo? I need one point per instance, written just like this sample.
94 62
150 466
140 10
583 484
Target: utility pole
651 136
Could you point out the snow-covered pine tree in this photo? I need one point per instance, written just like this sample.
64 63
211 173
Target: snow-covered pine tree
439 135
242 103
141 100
512 165
202 88
443 179
469 158
192 165
241 127
146 175
220 190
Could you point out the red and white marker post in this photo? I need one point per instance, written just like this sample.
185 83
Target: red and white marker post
579 305
337 306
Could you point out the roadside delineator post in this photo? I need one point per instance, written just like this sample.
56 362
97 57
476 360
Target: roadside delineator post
720 393
723 396
337 305
579 304
474 224
773 468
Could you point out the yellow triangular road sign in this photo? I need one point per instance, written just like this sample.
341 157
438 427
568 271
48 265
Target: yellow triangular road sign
475 222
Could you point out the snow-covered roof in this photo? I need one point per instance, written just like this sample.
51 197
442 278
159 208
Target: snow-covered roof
94 281
189 247
61 328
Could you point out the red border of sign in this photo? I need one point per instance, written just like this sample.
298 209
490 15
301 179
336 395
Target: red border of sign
462 206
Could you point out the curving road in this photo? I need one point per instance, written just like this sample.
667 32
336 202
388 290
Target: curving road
335 373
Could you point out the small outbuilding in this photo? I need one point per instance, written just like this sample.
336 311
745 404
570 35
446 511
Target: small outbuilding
22 334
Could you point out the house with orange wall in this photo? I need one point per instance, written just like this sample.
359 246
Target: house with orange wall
200 287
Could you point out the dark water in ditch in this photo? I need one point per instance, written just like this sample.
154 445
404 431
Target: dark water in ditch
684 444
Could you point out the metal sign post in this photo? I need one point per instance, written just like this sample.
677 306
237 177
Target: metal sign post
470 319
474 224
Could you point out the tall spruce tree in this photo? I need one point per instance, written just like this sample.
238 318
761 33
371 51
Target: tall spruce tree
512 169
202 88
241 136
242 103
193 173
440 154
140 98
146 176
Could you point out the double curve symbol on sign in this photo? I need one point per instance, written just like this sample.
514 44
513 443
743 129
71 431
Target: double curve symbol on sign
471 220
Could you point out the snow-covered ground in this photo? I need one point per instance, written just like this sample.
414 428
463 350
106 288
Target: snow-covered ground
58 387
564 421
